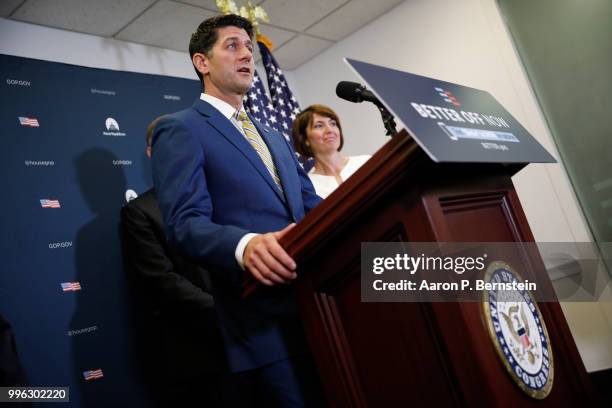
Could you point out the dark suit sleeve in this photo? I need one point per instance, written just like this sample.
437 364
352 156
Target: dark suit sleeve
309 196
178 174
148 261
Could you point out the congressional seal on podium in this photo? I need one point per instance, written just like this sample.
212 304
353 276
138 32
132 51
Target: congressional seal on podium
518 331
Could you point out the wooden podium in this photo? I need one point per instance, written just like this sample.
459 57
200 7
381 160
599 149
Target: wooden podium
415 354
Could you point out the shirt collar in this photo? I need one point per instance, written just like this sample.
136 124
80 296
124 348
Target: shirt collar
225 108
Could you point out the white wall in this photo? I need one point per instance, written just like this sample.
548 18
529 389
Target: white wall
462 41
50 44
33 41
465 42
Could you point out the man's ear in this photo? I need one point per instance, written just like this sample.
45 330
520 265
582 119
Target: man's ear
200 61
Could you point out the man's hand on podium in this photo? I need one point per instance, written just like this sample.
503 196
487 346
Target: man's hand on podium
267 261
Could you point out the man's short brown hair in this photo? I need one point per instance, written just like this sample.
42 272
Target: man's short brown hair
206 36
304 120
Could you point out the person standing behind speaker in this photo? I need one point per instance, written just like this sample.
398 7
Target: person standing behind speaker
317 133
11 370
178 333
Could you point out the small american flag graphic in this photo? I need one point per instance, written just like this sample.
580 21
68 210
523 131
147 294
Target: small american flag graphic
49 203
93 374
71 286
33 122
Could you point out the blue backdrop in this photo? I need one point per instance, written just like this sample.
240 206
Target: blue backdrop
75 135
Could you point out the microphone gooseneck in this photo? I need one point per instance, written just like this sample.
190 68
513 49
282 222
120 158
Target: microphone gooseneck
357 93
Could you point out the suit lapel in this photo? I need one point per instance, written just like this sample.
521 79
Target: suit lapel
278 150
227 129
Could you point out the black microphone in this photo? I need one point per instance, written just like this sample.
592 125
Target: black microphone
354 92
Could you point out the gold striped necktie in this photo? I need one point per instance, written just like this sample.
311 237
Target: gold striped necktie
260 146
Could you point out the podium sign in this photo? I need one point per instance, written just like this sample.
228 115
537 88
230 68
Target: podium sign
452 123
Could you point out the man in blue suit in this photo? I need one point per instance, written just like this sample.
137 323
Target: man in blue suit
229 188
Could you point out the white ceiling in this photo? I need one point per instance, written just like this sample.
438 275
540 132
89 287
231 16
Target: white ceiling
299 29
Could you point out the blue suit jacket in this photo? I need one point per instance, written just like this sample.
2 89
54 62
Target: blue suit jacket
213 189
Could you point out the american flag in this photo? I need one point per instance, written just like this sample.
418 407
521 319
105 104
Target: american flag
93 374
33 122
285 105
71 286
47 203
257 104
